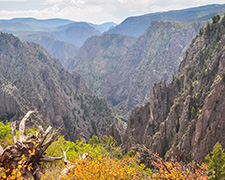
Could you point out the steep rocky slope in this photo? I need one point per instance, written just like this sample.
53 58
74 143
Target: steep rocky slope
63 51
123 69
31 79
154 57
135 26
186 117
100 56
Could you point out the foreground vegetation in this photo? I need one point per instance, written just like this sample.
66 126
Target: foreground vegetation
105 161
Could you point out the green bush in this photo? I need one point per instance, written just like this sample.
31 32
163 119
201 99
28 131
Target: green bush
5 134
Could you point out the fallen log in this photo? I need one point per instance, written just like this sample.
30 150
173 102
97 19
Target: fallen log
27 152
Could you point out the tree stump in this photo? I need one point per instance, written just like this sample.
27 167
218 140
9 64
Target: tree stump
27 152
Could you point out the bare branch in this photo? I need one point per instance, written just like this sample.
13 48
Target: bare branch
13 131
45 135
67 149
50 159
28 137
65 171
20 145
22 125
51 139
41 132
1 150
64 155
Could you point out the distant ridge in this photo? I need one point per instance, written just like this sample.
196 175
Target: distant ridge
46 23
136 25
75 33
60 37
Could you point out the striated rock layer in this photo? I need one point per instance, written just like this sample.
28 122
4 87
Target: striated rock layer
186 117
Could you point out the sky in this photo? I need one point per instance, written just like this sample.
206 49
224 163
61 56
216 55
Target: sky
94 11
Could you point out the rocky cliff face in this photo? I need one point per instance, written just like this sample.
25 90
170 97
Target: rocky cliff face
123 69
63 51
154 57
186 117
100 56
31 79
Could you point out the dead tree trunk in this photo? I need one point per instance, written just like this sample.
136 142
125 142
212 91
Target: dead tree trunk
28 151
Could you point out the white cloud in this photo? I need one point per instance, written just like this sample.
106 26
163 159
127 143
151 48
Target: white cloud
99 11
13 0
77 2
62 2
53 1
123 1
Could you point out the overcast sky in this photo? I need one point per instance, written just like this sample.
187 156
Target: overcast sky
95 11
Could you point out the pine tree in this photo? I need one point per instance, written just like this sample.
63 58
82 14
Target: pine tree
216 162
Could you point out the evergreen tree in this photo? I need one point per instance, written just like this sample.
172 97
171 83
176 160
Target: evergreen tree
216 162
215 19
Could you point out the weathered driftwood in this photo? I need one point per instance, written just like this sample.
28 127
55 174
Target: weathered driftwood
66 170
64 155
13 131
69 166
31 147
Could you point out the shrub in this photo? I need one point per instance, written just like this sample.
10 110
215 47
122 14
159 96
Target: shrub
5 134
104 167
175 170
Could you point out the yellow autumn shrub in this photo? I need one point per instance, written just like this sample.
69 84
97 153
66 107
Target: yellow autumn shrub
105 168
174 170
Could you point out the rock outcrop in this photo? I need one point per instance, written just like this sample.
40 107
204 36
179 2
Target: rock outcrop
123 69
117 130
186 117
99 57
31 79
63 51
